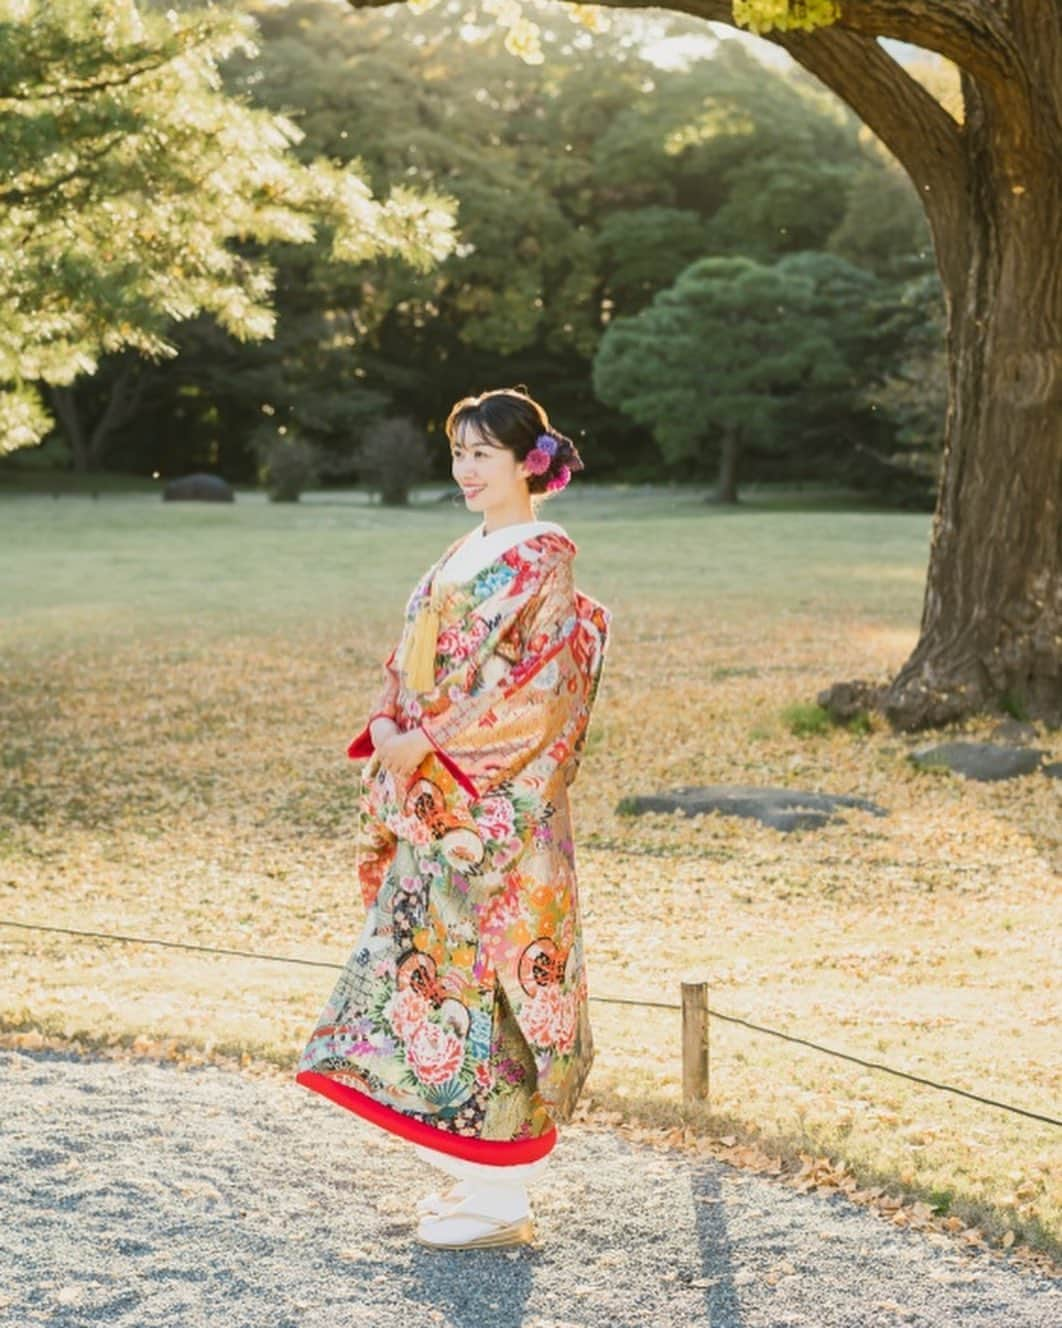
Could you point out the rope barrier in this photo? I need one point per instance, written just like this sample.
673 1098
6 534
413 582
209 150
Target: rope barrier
604 1000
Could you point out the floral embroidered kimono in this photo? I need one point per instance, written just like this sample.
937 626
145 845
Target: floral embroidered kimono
460 1020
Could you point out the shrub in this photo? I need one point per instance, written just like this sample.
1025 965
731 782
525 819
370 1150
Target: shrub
393 456
287 464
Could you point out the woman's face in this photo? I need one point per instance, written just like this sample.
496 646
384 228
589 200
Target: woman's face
488 473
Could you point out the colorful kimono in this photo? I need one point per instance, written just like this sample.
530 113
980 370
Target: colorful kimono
460 1020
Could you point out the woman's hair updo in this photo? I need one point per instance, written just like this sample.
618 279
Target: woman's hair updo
511 417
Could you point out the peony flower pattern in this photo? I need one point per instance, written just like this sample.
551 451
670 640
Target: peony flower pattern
406 1013
496 818
434 1053
458 643
550 1018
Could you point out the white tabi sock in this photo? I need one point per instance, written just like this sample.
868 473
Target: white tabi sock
500 1190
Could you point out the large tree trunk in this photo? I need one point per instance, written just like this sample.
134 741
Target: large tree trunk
991 629
992 615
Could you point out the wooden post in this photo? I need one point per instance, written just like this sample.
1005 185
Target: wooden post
694 1041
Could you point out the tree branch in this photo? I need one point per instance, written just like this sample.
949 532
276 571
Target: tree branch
15 196
38 93
160 57
125 394
906 117
969 32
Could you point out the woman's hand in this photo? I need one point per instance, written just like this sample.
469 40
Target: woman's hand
401 753
381 728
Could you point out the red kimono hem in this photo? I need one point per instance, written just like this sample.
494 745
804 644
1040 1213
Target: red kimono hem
498 1152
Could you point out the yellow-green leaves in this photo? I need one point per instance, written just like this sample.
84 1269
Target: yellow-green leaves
785 15
136 193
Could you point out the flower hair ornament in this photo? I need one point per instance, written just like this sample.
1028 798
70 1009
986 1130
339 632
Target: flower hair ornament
540 458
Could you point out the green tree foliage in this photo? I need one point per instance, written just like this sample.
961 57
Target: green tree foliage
644 249
767 160
712 362
519 296
136 194
912 392
584 187
883 228
843 426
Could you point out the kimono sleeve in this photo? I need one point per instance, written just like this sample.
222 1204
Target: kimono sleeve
384 704
523 693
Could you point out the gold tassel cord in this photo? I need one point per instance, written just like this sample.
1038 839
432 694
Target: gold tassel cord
418 663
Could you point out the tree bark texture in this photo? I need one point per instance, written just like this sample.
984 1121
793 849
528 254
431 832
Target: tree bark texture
992 614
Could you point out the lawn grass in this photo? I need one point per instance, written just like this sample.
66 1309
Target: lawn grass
179 683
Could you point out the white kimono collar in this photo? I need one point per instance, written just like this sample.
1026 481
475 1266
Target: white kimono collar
477 550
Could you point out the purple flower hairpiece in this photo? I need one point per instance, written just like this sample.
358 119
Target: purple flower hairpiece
540 458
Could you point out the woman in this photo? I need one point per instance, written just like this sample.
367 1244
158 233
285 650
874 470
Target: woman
460 1020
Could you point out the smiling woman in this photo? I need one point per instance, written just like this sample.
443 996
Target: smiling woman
460 1019
499 438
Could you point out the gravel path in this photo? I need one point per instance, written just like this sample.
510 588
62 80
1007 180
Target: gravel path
135 1193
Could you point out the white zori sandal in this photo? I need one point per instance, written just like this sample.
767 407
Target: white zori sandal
462 1227
485 1205
437 1202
